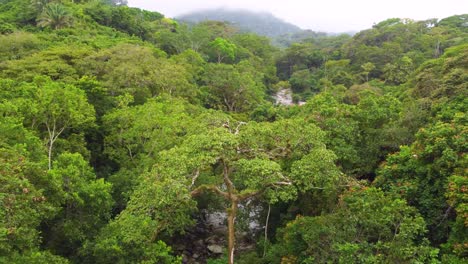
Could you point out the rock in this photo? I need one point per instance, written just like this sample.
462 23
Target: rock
284 97
212 240
216 219
179 247
199 243
217 249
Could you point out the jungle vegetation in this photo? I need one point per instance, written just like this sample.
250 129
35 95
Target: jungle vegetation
120 128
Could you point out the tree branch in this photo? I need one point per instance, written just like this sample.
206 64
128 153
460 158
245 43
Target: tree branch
247 195
211 188
194 178
281 183
227 181
238 127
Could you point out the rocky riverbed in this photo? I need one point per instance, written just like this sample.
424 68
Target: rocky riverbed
284 97
207 239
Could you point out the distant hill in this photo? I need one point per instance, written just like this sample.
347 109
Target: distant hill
262 23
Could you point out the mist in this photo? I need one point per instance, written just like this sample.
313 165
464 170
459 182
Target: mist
329 16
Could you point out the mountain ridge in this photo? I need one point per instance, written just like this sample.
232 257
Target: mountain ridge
261 22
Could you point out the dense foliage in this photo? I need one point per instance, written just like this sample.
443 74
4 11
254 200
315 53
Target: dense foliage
122 131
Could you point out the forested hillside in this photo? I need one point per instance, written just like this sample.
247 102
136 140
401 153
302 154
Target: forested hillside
127 137
282 33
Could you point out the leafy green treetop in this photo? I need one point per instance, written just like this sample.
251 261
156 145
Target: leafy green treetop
367 227
242 161
223 49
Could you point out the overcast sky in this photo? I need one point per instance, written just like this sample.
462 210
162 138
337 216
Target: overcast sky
320 15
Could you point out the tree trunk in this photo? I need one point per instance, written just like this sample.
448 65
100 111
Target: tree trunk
437 50
266 230
232 213
51 143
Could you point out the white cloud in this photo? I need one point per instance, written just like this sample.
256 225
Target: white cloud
321 15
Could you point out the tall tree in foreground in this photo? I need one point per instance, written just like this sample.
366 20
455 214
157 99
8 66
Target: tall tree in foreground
239 162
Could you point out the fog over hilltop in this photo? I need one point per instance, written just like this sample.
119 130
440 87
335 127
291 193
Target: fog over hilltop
328 16
262 23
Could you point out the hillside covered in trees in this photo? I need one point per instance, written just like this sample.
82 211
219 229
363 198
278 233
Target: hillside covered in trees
261 23
281 33
124 134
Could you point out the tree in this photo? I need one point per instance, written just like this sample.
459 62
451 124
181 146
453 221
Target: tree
131 20
457 198
23 206
342 131
54 15
135 136
85 204
159 205
18 45
256 45
428 172
58 63
375 116
142 72
422 172
192 61
51 108
303 81
367 227
23 202
442 78
229 87
243 161
367 68
173 79
399 72
223 48
57 107
300 56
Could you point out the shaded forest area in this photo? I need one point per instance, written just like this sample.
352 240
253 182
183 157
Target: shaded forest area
120 130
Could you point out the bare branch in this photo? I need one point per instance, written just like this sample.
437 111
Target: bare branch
194 178
211 188
251 194
238 127
282 183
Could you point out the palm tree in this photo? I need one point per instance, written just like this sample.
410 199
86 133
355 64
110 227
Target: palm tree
55 16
